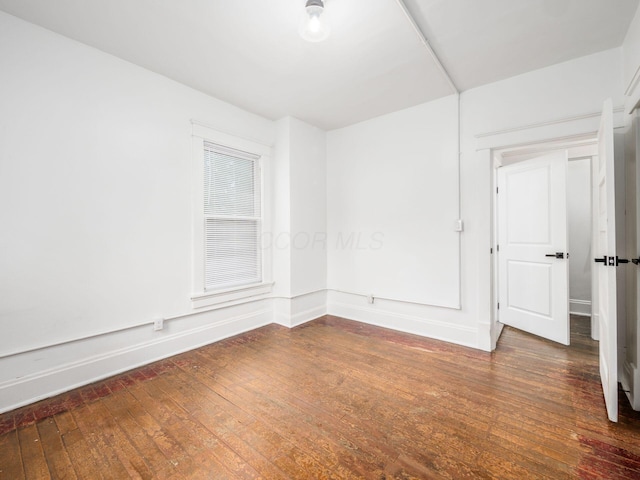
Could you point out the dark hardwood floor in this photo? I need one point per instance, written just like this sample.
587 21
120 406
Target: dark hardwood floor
336 399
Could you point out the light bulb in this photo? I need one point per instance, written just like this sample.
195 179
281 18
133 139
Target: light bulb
314 26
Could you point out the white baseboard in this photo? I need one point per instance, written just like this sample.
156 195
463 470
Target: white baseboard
630 380
299 309
580 307
85 361
402 317
37 374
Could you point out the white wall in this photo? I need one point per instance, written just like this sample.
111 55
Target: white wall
553 102
95 202
631 62
281 225
299 234
392 194
579 232
575 88
393 200
308 208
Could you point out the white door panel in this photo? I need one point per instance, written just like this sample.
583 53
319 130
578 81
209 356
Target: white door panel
605 250
532 227
529 287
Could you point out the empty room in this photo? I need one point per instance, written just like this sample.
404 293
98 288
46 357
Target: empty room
289 239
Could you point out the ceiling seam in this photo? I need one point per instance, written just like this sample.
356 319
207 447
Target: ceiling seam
427 45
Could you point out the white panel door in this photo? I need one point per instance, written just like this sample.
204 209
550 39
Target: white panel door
607 260
532 254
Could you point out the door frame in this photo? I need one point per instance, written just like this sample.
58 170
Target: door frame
506 155
484 145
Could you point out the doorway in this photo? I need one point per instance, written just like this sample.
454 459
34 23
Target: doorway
542 221
608 204
579 222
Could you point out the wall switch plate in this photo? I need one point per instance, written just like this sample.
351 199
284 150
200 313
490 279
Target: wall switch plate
158 324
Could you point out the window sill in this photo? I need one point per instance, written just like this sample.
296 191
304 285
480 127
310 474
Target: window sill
207 299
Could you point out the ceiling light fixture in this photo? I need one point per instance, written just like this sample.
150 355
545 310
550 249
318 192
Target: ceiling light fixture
314 26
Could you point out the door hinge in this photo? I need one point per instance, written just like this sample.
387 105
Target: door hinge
496 189
497 248
491 250
498 305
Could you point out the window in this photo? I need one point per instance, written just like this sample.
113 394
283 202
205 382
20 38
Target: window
228 218
232 218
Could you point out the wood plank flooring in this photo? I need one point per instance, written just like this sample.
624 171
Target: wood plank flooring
335 399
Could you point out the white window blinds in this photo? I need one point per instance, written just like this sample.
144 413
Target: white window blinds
232 218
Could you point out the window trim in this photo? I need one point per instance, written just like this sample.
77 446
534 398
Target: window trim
201 297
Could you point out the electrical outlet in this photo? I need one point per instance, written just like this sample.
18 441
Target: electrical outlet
158 324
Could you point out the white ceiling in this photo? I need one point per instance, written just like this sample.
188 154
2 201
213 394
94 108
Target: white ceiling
482 41
248 52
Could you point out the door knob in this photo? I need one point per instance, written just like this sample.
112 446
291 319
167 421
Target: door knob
555 255
601 260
